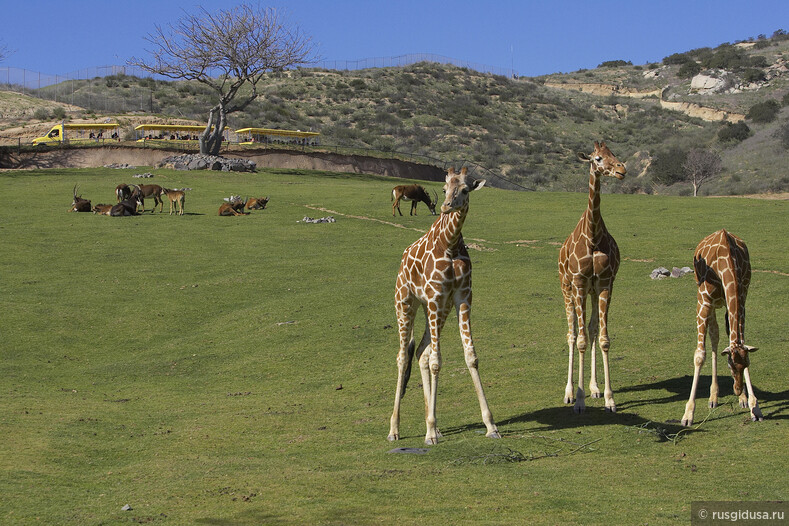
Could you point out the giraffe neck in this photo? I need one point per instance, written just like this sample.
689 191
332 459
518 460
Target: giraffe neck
594 221
735 319
447 230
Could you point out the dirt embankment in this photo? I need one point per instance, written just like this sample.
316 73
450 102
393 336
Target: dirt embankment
333 162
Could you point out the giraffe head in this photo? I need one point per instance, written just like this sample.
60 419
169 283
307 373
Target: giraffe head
738 360
603 162
456 189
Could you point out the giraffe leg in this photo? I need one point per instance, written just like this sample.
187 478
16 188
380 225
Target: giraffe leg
594 330
712 331
424 367
703 313
436 320
756 413
405 320
464 321
569 309
604 301
580 306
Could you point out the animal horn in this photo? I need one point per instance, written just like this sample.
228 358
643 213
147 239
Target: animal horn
435 200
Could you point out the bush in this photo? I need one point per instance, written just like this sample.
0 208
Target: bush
689 70
666 167
42 114
754 75
615 64
677 59
59 113
782 134
764 112
734 132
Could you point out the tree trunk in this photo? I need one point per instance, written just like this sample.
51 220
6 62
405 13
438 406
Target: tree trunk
695 189
211 138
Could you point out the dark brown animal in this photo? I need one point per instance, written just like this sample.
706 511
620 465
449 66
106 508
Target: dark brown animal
79 204
175 196
127 207
123 191
414 193
257 203
149 190
103 210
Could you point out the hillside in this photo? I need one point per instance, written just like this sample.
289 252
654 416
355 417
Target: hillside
526 130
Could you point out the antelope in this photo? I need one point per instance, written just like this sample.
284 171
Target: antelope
175 196
79 204
127 207
149 190
414 193
230 209
122 191
103 210
257 203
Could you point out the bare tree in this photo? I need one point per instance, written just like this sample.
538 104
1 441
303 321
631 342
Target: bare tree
4 52
229 51
701 165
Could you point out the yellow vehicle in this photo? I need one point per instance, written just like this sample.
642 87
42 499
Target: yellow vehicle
167 132
271 136
79 134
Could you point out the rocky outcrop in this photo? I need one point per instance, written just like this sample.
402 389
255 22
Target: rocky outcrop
701 112
198 161
604 90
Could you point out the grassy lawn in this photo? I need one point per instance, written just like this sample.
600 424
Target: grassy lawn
241 370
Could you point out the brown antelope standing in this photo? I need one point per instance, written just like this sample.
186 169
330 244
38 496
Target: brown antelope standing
79 204
723 274
122 191
257 203
435 272
103 210
414 193
149 190
175 196
127 207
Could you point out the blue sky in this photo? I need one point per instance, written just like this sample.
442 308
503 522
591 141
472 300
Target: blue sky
530 37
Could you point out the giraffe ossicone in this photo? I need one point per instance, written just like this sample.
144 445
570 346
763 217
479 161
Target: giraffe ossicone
588 262
435 273
723 274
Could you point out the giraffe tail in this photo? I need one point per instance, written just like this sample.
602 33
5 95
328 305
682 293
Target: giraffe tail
409 360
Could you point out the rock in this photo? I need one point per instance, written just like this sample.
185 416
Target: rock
660 273
127 508
328 219
202 162
707 84
679 272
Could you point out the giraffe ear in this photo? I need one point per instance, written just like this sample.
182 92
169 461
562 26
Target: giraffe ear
583 157
463 171
750 349
726 351
477 184
451 170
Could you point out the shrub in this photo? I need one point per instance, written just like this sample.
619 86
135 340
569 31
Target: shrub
666 167
615 64
677 59
782 134
689 70
59 113
785 99
754 75
763 112
734 132
42 114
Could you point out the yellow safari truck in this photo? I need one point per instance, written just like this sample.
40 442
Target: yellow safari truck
79 134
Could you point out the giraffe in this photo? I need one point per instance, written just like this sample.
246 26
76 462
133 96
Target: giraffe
588 261
435 272
723 274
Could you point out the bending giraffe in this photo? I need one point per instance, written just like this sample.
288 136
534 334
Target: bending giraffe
588 261
723 273
435 272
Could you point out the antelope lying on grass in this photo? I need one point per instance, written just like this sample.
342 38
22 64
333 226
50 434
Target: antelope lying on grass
233 206
127 207
257 203
148 190
102 210
122 191
79 204
414 193
176 195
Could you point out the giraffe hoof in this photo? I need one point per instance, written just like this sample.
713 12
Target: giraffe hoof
392 438
610 409
687 422
743 404
713 405
596 395
568 400
431 441
493 434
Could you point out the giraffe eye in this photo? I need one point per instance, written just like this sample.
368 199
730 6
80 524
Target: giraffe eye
465 190
598 158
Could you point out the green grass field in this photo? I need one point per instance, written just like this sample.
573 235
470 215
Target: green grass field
241 370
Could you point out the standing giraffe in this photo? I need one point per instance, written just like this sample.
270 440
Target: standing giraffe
588 261
723 273
436 272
